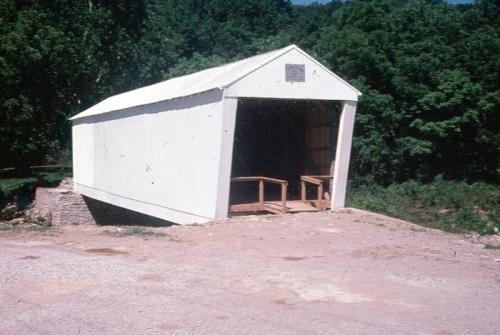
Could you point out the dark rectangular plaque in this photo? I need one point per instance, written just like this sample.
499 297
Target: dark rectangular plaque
295 73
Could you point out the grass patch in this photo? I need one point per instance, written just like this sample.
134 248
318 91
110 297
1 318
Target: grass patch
492 247
52 178
450 206
44 220
10 186
135 231
24 228
39 223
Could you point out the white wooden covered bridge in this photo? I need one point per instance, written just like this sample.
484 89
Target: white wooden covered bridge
195 148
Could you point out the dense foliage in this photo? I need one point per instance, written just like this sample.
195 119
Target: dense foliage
429 70
447 205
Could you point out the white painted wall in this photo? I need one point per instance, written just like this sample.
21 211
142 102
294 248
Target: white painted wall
343 155
161 159
230 106
269 81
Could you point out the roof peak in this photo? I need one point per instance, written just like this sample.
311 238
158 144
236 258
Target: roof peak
217 77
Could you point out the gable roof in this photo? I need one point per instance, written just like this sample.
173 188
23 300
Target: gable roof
218 77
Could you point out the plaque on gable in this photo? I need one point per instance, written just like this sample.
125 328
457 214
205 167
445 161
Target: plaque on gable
295 73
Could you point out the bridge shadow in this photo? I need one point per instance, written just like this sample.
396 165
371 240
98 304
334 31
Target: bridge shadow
105 214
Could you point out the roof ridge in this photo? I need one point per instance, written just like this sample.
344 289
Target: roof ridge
311 58
281 52
217 77
207 69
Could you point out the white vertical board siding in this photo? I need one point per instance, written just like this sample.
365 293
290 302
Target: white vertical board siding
269 81
83 153
161 159
226 157
343 155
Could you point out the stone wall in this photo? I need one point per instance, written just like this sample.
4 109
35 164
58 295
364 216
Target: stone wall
62 204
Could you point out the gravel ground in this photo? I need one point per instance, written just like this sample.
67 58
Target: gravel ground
315 273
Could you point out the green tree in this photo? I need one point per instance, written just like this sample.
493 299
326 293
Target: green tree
429 75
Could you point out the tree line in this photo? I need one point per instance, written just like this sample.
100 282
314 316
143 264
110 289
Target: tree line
428 70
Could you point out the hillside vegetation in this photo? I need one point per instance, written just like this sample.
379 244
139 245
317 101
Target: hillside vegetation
451 206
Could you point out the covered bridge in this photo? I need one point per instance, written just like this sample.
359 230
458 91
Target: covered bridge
194 148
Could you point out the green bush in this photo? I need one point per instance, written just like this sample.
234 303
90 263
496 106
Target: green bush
20 187
10 186
448 205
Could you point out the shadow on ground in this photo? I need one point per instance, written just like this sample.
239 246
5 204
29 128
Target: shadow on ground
106 214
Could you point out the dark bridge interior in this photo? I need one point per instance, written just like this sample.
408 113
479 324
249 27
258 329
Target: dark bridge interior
282 139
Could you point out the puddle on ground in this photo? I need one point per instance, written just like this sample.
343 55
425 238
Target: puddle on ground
293 258
29 257
106 251
282 302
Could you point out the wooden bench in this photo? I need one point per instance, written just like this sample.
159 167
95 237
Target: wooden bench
319 181
262 205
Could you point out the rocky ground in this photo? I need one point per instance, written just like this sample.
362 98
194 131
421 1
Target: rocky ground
316 273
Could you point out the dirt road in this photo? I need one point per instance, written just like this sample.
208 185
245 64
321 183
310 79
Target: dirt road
320 273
